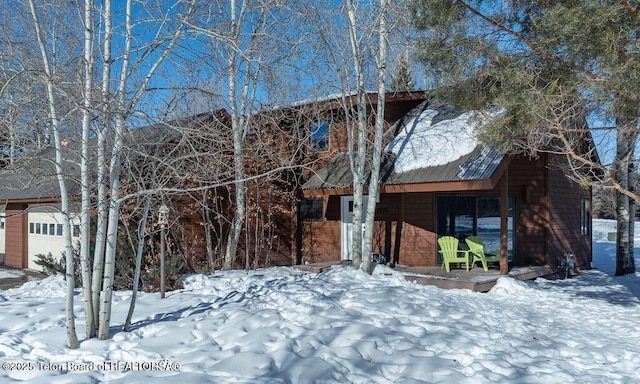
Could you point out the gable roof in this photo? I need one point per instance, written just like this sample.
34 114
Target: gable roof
433 143
33 177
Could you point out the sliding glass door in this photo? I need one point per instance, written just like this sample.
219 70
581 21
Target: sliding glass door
475 215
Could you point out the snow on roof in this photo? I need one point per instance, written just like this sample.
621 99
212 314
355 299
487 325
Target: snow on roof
423 143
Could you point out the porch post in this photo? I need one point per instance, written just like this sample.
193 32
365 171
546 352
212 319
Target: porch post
398 234
504 212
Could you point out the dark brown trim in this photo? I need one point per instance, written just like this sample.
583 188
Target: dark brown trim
36 201
547 215
504 233
448 186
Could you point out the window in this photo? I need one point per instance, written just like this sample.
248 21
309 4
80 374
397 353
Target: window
319 135
59 229
585 217
52 229
44 229
37 228
2 224
31 228
76 230
462 216
311 209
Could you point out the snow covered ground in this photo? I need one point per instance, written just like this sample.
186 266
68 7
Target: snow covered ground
283 326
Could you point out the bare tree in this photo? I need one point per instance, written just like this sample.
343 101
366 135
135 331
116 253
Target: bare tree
376 155
110 118
61 172
85 177
124 107
367 34
248 43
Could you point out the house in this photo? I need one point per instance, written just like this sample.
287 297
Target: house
31 221
437 179
185 155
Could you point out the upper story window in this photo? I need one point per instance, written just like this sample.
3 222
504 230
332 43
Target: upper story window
311 209
320 135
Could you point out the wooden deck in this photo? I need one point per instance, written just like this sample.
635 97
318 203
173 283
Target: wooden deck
476 279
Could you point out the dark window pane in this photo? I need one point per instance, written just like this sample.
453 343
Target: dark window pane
320 135
311 209
462 216
585 217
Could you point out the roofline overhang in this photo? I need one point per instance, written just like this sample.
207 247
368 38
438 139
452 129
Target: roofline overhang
444 186
447 186
41 200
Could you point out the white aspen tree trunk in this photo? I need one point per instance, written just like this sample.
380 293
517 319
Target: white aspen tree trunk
85 178
102 205
114 190
377 141
64 195
123 110
358 158
13 146
237 126
101 228
112 232
632 203
240 194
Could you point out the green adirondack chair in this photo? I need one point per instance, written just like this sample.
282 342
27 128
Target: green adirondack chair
476 248
451 253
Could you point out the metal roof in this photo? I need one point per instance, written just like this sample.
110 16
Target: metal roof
35 178
480 164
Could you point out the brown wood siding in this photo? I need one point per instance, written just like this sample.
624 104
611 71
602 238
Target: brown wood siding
547 210
527 182
322 239
16 240
565 201
418 245
270 238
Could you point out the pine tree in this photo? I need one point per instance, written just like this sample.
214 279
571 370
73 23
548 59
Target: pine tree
549 64
401 80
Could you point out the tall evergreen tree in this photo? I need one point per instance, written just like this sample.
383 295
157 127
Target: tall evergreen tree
549 64
401 80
